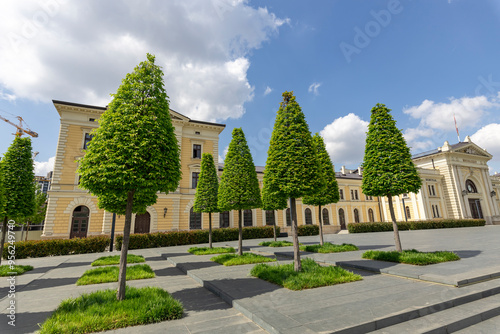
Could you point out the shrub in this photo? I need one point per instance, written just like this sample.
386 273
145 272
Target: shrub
411 256
110 274
414 225
54 247
7 270
304 230
206 250
236 260
328 247
177 238
281 243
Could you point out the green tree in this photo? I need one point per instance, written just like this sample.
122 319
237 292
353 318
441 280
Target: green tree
18 183
292 167
330 192
388 169
39 211
207 189
239 186
134 153
272 203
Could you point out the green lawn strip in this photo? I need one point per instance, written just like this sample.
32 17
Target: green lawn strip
7 270
235 259
110 274
412 256
99 311
329 248
115 259
281 243
214 250
312 275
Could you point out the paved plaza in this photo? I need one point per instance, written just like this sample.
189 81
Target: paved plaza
462 296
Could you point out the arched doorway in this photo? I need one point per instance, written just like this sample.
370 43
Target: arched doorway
356 216
79 222
474 203
326 217
224 219
142 223
308 216
194 220
371 218
342 219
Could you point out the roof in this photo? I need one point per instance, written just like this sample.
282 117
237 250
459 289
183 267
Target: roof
438 150
106 108
258 169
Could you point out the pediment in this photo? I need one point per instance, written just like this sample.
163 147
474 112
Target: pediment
473 149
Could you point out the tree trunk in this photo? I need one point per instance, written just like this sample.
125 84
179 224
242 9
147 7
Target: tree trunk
321 242
120 294
297 265
4 232
397 241
274 227
240 234
210 230
27 230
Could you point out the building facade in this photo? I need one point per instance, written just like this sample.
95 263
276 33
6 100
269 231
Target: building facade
456 184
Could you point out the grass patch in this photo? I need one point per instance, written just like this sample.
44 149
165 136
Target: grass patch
312 275
110 274
328 247
115 259
281 243
99 311
214 250
412 256
7 270
235 259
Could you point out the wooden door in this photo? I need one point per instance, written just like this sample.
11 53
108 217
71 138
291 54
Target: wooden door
79 222
142 223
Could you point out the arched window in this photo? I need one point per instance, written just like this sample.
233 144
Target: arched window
326 218
194 220
470 186
356 216
288 217
342 219
79 222
308 217
270 217
408 215
370 216
224 219
247 218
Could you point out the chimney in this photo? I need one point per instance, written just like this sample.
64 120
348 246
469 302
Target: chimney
342 170
360 171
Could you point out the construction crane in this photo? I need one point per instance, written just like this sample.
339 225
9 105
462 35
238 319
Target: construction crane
20 130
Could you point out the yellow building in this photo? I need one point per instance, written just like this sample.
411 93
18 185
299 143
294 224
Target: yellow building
455 180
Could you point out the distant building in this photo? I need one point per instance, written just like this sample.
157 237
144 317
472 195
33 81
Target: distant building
455 178
44 182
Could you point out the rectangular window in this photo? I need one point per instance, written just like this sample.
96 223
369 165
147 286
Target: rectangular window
86 141
356 194
437 212
352 194
432 190
196 151
194 180
341 193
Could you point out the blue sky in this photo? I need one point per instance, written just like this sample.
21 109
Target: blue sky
230 61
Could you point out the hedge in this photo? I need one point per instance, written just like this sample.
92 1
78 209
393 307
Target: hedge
414 225
176 238
303 230
53 247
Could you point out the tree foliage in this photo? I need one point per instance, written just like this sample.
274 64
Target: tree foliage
292 168
134 148
207 189
39 210
329 193
388 169
239 186
18 183
134 153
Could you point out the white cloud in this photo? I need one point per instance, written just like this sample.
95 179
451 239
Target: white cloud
467 110
268 90
80 51
488 137
345 139
42 168
313 88
6 96
223 156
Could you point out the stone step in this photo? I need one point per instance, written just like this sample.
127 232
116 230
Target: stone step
450 319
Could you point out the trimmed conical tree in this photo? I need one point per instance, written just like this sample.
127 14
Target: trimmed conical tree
330 192
388 169
239 186
292 168
18 183
134 153
205 199
273 203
